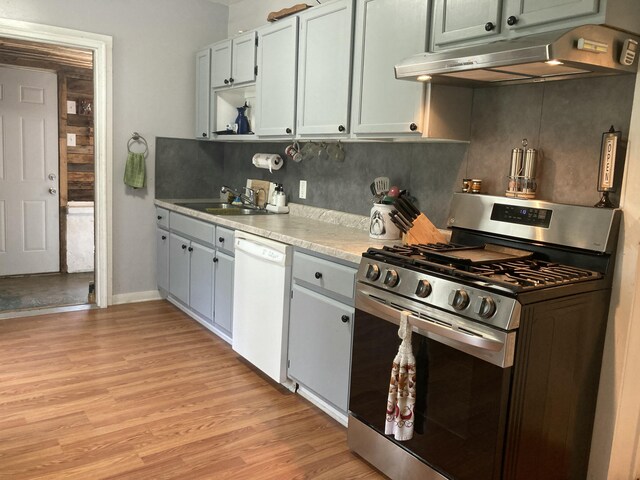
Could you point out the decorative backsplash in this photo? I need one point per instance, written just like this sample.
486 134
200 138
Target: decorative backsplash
563 120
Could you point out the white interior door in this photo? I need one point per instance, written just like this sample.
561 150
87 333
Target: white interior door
29 218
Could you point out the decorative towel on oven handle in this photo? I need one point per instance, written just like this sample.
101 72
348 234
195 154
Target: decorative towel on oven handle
402 387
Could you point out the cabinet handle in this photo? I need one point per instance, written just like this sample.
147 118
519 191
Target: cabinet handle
489 26
221 239
341 128
190 249
512 20
184 247
318 275
288 130
226 82
204 134
344 318
164 237
215 259
159 217
230 79
413 127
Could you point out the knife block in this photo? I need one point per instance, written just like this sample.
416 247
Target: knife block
423 231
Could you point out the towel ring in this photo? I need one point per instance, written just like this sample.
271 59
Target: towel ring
137 138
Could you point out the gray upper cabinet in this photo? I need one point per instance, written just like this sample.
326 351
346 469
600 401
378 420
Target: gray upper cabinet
324 69
276 81
384 35
456 21
203 91
233 61
519 14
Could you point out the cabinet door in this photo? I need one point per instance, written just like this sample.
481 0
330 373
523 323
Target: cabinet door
276 81
386 34
465 21
324 69
179 267
243 64
320 345
203 90
220 64
526 13
162 259
223 292
201 280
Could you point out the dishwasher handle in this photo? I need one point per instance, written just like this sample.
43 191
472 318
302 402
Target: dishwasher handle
259 251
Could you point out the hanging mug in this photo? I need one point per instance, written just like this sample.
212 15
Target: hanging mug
293 152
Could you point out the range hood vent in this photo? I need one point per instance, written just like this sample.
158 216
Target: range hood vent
589 50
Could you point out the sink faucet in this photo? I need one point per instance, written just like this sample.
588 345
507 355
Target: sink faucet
247 197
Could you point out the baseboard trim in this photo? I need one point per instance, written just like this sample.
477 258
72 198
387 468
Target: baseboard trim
135 297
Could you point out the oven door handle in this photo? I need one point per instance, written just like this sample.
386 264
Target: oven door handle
499 350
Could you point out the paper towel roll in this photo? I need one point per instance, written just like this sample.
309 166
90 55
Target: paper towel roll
272 161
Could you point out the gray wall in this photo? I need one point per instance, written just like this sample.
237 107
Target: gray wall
564 120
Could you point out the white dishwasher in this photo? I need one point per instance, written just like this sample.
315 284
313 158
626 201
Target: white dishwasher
261 287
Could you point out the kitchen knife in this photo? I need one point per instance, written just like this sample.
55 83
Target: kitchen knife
409 205
403 209
401 226
405 221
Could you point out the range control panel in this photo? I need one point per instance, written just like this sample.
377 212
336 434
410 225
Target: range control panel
536 217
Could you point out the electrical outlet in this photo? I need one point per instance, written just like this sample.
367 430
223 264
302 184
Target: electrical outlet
71 139
303 189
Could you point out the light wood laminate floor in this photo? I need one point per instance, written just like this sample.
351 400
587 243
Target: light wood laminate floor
141 391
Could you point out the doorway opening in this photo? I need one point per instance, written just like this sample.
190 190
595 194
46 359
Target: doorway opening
100 48
29 279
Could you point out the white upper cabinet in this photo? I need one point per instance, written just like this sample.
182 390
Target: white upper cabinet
324 70
233 61
386 32
203 66
276 80
457 21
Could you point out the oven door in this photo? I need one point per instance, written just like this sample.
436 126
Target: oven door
463 379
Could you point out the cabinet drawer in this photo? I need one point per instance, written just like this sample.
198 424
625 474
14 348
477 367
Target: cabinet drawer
224 239
162 218
192 228
322 273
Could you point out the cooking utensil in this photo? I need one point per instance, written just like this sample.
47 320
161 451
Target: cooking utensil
381 184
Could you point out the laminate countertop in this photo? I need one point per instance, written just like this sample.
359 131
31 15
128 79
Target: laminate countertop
337 234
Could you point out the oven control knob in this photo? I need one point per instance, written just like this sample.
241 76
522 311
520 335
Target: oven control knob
486 307
423 289
373 272
391 278
459 299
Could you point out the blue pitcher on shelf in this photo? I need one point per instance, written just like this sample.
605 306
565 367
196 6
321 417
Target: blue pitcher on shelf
241 120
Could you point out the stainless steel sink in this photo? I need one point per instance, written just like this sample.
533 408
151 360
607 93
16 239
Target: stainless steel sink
221 208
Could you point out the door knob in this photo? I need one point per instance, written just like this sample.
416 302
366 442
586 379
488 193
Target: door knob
52 191
52 176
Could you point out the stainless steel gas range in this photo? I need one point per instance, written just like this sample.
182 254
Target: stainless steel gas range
508 324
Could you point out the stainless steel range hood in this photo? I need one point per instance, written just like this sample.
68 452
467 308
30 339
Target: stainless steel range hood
589 50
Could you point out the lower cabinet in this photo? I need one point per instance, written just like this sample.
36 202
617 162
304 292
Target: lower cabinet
197 260
320 326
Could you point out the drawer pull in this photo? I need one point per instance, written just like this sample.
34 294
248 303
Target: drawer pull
184 247
221 239
164 237
344 318
318 275
191 249
215 259
159 217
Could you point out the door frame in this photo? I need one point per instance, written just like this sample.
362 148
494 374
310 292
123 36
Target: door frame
102 47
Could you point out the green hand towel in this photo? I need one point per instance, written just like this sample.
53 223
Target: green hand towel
134 172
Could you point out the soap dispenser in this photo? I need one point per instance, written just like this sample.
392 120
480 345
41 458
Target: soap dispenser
279 197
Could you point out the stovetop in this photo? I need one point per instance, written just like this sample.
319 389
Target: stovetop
517 275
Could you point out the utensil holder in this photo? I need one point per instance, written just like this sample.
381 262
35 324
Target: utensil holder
380 225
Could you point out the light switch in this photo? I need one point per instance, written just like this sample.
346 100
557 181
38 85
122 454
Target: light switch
71 139
71 107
